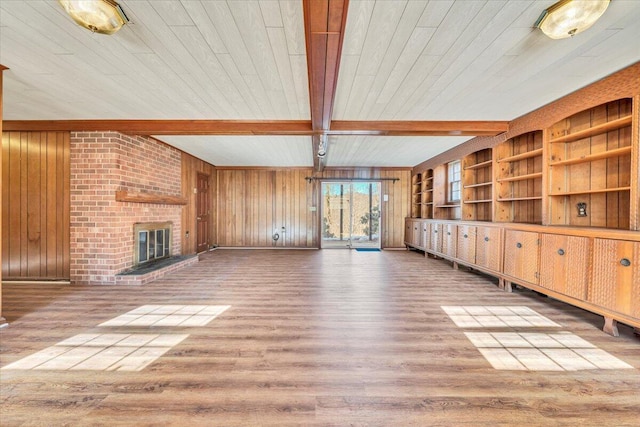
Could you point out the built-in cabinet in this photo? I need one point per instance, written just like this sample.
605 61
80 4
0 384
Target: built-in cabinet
569 263
556 210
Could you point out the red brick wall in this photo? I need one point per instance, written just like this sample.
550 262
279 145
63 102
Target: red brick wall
101 228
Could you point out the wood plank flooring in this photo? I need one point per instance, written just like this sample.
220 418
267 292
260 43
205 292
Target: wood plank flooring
318 338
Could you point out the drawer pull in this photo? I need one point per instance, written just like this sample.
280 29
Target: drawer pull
448 233
518 245
625 262
560 251
465 236
435 231
486 239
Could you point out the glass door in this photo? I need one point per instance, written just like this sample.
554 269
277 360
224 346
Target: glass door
351 214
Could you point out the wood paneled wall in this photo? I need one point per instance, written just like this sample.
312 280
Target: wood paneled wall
35 205
191 166
253 203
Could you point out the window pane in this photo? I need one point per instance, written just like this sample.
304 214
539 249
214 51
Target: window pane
152 245
167 240
142 246
159 243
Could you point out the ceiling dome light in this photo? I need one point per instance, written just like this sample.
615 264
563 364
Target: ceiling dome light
98 16
570 17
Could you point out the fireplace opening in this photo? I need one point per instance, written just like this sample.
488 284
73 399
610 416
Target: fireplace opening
152 241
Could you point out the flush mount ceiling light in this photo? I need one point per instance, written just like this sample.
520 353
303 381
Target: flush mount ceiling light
569 17
98 16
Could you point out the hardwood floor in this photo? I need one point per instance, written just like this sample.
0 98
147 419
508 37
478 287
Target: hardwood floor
330 337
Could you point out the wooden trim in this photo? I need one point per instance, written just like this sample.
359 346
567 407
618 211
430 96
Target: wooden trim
168 127
160 199
418 128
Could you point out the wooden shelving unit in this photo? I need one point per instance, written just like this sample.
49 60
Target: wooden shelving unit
589 158
518 179
477 186
416 195
426 210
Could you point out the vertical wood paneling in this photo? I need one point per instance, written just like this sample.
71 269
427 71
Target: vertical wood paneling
272 199
36 201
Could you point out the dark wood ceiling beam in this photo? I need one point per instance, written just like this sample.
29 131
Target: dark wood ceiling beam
324 22
168 127
418 128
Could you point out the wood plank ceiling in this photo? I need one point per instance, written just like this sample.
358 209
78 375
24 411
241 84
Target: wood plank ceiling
262 82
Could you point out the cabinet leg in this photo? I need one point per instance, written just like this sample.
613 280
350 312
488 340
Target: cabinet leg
501 283
611 326
455 265
507 286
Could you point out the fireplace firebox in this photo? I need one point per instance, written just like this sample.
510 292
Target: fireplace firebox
152 241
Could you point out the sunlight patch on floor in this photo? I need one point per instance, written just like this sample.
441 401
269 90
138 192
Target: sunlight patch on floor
479 316
101 352
168 315
562 351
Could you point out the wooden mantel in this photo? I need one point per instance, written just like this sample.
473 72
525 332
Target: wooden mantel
159 199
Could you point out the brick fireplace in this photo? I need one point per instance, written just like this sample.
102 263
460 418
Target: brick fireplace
102 229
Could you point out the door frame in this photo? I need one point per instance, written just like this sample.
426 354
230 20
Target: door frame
350 183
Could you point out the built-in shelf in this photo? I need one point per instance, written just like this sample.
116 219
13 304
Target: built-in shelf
428 179
447 206
602 190
479 165
595 130
521 177
522 156
159 199
616 152
481 184
430 190
519 199
477 201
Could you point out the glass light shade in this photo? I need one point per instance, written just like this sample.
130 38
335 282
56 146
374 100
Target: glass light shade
99 16
569 17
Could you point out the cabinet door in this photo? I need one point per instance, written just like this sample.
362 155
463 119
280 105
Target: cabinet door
564 264
436 237
426 234
466 250
408 232
417 234
521 255
489 248
615 282
449 239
